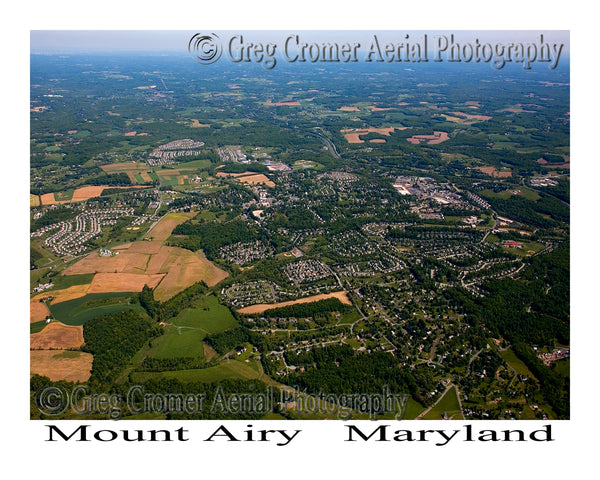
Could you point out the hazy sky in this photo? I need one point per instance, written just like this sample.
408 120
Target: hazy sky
95 41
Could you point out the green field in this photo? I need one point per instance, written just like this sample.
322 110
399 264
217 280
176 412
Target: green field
228 370
184 337
491 238
212 317
194 164
448 404
36 327
413 408
61 282
168 181
515 363
180 342
80 310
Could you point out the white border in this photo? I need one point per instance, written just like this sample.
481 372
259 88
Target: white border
320 452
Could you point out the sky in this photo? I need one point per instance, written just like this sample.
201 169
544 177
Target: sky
113 41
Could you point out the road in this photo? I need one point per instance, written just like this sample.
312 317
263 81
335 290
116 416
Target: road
328 143
422 414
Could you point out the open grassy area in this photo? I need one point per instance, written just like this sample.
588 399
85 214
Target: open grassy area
448 404
413 408
210 318
187 331
529 248
80 310
180 342
491 238
194 165
515 363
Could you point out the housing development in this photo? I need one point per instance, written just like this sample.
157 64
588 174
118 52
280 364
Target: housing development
342 230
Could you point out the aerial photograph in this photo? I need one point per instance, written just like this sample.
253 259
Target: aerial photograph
299 225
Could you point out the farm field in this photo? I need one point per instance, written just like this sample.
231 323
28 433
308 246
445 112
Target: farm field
57 336
180 342
168 269
211 318
79 195
250 178
353 135
37 311
435 139
186 331
80 310
123 282
493 172
64 295
162 230
261 307
68 365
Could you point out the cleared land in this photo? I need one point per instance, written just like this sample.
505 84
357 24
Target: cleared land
64 295
256 180
57 336
261 307
189 268
169 269
123 282
437 137
250 178
80 310
162 230
465 118
492 172
37 311
196 124
79 195
283 104
61 364
353 134
125 167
